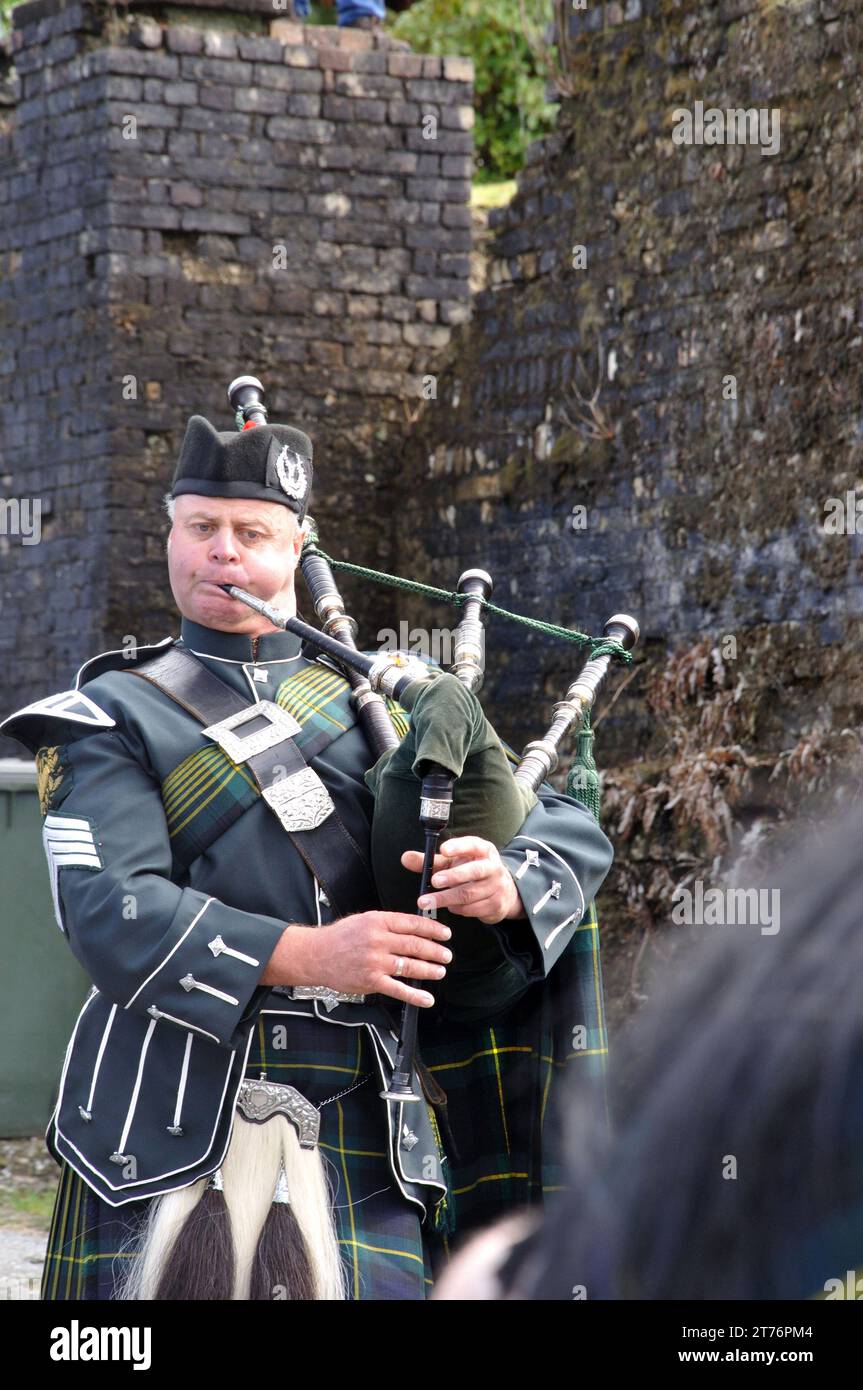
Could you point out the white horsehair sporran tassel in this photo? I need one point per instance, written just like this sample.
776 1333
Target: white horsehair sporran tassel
186 1248
261 1227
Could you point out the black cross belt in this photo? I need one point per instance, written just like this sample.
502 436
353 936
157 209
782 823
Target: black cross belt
261 736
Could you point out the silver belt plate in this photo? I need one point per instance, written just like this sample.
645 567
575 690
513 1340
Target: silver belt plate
301 801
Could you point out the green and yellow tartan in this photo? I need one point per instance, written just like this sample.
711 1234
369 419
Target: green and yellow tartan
379 1232
500 1082
504 1082
206 792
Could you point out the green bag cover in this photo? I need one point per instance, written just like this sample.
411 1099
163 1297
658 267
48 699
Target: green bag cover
448 727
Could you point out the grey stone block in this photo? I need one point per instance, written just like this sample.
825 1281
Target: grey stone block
203 220
260 49
184 38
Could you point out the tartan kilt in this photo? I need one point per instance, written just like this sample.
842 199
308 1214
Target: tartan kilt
507 1084
382 1244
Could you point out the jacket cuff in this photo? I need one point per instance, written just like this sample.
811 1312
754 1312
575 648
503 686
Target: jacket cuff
554 904
209 980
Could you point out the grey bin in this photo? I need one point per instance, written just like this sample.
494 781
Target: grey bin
42 986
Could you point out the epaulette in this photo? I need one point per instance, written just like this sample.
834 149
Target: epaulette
119 660
73 706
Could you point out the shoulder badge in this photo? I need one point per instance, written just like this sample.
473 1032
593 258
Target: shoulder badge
51 768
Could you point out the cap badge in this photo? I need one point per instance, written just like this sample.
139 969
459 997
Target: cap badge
291 473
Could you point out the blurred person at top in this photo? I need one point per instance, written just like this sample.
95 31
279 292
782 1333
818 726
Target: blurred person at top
352 14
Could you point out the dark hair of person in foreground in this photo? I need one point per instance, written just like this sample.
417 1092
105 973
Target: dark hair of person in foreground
734 1168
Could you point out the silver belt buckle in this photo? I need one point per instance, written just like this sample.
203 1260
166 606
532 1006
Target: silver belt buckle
328 997
282 725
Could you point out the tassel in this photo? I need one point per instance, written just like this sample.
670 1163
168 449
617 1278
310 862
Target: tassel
258 1154
583 781
311 1204
282 1268
250 1172
187 1249
202 1261
261 1227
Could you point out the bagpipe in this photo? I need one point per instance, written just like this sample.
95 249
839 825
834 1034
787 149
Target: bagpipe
449 742
263 1217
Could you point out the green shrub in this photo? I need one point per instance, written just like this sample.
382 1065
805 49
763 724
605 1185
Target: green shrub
509 92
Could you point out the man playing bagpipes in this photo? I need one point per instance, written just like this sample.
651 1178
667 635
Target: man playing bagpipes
209 822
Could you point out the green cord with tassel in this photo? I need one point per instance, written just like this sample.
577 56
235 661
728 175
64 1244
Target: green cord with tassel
583 783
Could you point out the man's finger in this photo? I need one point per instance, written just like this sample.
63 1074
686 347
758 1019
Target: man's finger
486 907
466 844
414 859
397 989
451 898
472 847
470 872
416 925
416 948
414 968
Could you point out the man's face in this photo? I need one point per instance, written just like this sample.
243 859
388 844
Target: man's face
232 540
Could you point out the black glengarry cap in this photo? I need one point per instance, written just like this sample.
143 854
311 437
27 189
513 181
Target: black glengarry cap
271 463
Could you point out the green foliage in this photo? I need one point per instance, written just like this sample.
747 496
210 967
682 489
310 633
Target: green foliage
6 7
509 92
321 14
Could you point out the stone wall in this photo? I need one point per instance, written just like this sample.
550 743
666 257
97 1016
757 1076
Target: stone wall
187 195
660 388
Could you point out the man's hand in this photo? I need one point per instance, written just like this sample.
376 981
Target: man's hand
371 953
477 881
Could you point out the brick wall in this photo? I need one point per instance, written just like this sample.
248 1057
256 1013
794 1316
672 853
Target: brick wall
182 203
